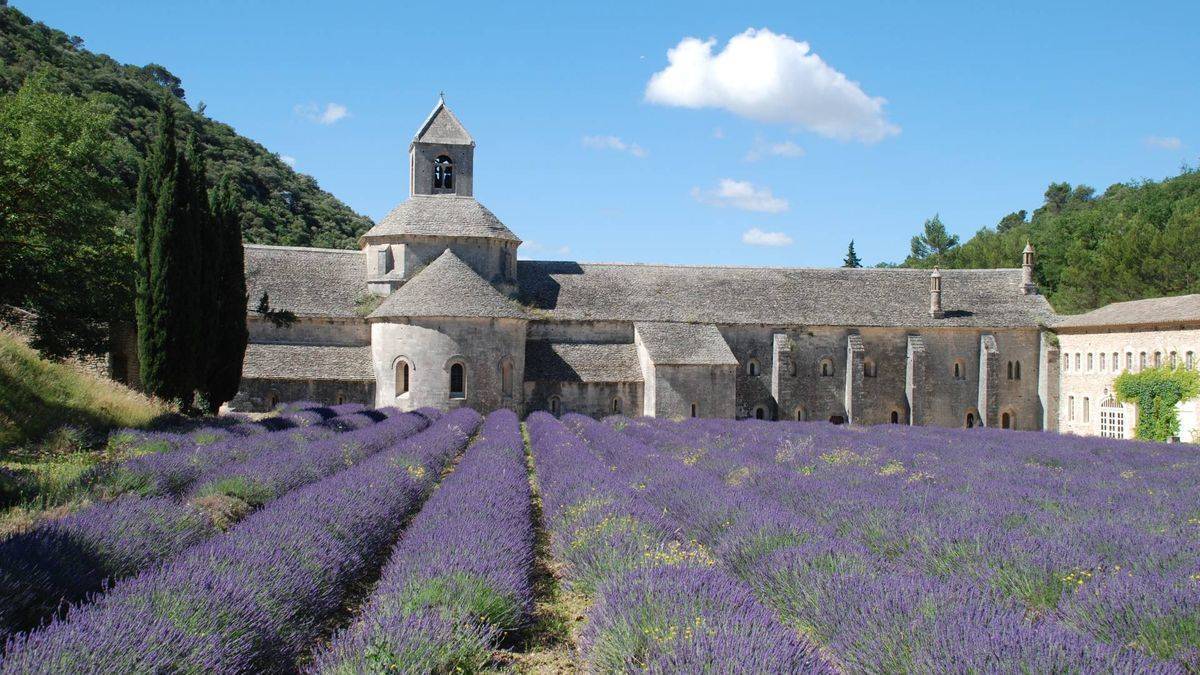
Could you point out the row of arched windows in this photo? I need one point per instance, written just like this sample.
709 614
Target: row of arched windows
1105 362
457 376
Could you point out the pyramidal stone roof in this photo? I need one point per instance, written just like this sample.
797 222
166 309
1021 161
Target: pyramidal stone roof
441 216
1177 309
684 344
442 127
448 287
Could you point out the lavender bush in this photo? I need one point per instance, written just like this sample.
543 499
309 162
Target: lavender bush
661 605
460 577
255 598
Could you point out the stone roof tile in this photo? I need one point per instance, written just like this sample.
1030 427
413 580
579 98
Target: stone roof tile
307 362
571 362
776 296
1152 311
684 344
442 126
307 281
440 216
448 287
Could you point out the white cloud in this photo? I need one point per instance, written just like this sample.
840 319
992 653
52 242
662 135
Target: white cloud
289 160
330 114
756 237
613 143
742 195
770 77
782 149
1164 142
534 249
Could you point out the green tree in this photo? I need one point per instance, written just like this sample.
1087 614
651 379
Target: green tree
59 224
851 259
158 167
932 246
230 333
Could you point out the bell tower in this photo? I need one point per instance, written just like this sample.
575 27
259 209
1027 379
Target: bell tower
441 156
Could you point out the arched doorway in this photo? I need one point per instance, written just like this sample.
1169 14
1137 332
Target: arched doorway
837 419
970 423
1006 420
760 413
895 417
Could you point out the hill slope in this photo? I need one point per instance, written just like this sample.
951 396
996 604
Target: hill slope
1137 240
281 207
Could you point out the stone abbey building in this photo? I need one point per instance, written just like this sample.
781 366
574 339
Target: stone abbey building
435 309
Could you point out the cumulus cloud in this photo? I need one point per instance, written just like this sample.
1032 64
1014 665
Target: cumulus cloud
613 143
741 194
1164 142
770 77
330 114
289 160
756 237
782 149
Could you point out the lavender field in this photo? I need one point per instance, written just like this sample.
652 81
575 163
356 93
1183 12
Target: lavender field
355 541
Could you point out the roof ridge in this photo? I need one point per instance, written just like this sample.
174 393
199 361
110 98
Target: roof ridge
765 267
276 247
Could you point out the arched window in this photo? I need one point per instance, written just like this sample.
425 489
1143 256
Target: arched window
1142 361
506 377
895 417
1157 359
695 412
752 368
960 370
869 368
760 413
1112 419
1017 369
504 263
970 423
1102 361
443 173
1087 409
1189 361
272 400
1089 362
1010 370
1077 366
339 398
458 381
1174 359
826 367
402 377
801 414
1116 361
1006 420
1070 408
616 407
555 406
1128 360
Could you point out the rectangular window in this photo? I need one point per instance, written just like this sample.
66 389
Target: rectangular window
1190 360
1157 359
1101 360
1087 411
1070 408
1090 365
1174 359
1077 362
1116 362
1128 360
1142 361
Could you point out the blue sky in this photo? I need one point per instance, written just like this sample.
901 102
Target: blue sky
736 151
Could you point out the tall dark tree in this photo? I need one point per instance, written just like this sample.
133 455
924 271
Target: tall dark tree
207 262
230 334
158 169
851 259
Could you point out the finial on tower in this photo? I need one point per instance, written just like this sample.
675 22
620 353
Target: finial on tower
935 294
1027 285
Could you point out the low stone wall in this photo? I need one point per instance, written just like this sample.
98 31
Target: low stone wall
261 395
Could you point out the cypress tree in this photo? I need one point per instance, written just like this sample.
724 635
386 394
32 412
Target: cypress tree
206 263
230 334
158 166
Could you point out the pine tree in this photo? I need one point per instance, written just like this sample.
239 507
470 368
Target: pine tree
851 259
229 342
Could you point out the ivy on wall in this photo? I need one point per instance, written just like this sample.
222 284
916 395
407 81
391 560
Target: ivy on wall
1156 391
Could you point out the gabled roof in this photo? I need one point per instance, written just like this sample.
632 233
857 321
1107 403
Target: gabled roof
571 291
448 287
307 281
443 127
1153 311
307 362
571 362
684 344
441 215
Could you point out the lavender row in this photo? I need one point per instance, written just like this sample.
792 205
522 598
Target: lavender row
460 577
266 476
660 605
62 561
850 592
255 598
171 472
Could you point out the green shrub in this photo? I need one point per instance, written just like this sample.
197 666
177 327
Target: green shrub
1156 391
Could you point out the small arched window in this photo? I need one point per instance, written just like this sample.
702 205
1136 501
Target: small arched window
616 406
504 263
1010 370
402 376
443 173
869 369
1077 366
555 405
1174 359
1006 421
272 400
695 411
752 368
970 422
1087 409
1189 361
1142 361
1157 359
760 413
1116 361
1070 408
801 415
458 381
1017 369
960 370
1090 364
506 377
895 417
826 367
1102 366
339 398
1128 360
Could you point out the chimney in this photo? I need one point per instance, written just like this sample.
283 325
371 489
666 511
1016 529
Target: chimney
1027 285
935 294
